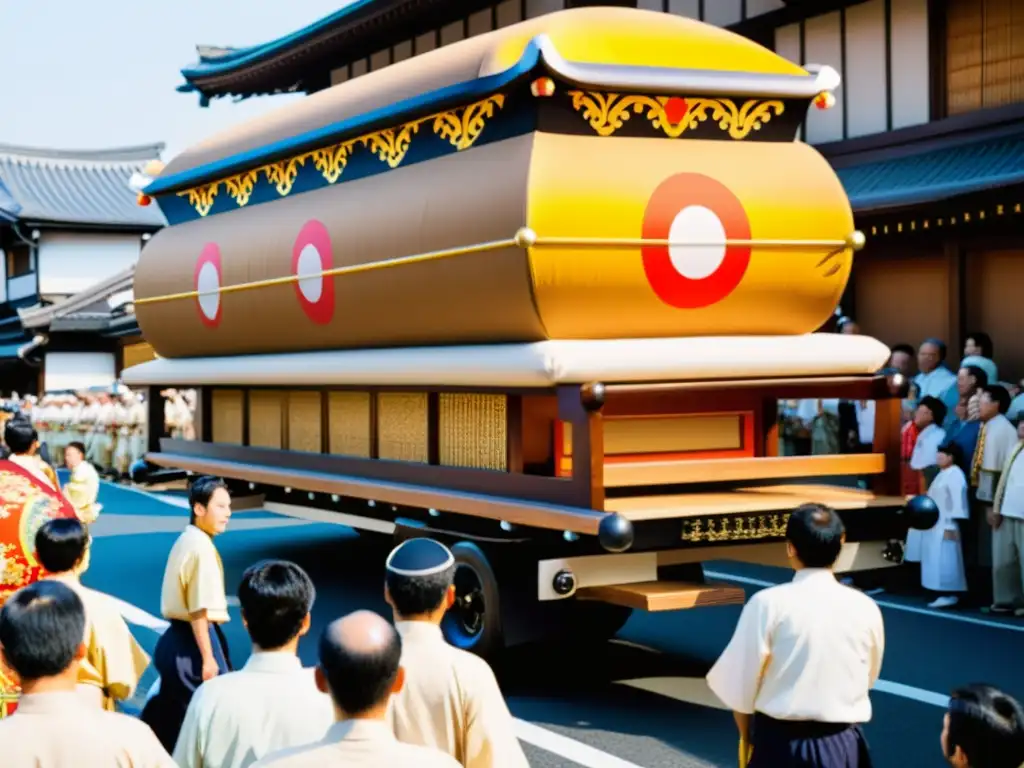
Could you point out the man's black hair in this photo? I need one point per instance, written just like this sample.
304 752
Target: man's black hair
201 491
19 434
954 451
41 627
816 533
360 681
984 342
936 406
417 595
78 446
980 377
904 348
275 597
999 395
987 725
61 544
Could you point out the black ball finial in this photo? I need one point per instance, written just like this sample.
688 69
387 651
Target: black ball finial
615 533
922 512
592 396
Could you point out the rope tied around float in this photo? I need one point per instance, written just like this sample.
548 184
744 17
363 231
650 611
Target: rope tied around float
525 238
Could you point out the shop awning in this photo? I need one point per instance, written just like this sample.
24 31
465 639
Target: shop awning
940 174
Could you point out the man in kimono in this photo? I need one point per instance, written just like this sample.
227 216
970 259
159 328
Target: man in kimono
934 378
983 728
41 631
22 439
803 657
360 666
996 441
1008 533
450 700
83 486
114 661
273 702
193 600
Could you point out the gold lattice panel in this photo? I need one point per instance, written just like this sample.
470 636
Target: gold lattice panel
668 434
402 431
473 430
226 419
305 421
266 418
349 423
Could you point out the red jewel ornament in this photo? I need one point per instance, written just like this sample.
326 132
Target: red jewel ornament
676 109
824 100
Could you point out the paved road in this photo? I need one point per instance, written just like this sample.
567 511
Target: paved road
639 701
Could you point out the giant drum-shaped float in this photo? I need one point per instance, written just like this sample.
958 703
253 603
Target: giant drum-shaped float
591 174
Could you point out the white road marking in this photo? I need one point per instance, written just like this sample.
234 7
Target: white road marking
568 748
531 733
883 603
910 692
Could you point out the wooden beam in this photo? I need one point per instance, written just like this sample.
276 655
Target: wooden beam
587 446
680 471
887 442
664 595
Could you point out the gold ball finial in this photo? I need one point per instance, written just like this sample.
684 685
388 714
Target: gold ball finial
526 237
856 240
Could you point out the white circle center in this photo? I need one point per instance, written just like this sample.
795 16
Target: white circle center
209 280
697 224
308 269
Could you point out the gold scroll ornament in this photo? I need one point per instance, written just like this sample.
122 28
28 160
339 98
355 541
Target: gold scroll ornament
606 113
459 127
747 528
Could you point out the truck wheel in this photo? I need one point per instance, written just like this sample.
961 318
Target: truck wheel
473 623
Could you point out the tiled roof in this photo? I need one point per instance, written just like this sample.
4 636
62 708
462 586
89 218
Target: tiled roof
935 175
77 187
8 205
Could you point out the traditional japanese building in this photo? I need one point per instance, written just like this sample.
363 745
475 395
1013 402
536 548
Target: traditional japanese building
927 132
70 235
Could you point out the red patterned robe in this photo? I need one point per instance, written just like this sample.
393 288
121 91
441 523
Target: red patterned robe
910 479
25 504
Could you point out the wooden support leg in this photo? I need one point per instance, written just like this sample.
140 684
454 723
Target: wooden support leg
887 442
579 407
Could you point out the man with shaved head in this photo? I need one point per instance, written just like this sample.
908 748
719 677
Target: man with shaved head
359 667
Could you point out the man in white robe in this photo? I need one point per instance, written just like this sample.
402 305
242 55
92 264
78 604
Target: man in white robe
804 655
942 558
934 378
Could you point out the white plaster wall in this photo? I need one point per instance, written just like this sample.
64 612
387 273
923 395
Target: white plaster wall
911 91
70 262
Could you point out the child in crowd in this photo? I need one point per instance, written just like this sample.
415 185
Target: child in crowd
942 557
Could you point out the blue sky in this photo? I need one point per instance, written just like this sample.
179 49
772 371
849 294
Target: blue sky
103 73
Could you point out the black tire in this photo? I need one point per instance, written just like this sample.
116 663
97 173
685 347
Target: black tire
474 622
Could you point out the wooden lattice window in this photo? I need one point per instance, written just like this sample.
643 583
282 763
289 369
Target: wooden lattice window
984 54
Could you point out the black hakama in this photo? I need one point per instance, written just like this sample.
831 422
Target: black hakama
807 744
180 665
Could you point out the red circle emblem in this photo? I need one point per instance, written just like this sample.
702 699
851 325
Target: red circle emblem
312 255
693 208
208 281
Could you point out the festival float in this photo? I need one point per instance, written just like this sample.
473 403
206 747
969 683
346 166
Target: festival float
25 504
537 294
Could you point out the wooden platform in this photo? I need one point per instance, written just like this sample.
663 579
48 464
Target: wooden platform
664 595
769 498
678 471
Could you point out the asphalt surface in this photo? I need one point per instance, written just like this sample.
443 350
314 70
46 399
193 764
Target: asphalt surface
638 700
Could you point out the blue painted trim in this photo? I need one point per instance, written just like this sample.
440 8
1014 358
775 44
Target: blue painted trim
388 116
243 57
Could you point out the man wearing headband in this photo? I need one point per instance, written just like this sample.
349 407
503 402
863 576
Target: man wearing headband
983 728
450 700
